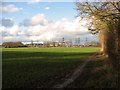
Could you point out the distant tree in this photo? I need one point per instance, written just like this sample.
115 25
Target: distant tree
12 44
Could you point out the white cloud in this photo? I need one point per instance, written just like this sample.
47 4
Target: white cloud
9 8
47 8
59 28
38 19
2 29
14 30
36 30
49 31
15 38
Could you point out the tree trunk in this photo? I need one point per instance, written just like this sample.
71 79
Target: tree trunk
103 42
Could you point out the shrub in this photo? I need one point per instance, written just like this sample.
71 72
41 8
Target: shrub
12 44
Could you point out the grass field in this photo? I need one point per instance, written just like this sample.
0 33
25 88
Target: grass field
40 67
98 73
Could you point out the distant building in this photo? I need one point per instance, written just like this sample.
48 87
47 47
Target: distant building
33 44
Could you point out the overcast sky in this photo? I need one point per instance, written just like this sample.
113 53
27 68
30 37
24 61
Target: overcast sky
42 21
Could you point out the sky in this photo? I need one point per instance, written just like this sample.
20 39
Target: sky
42 21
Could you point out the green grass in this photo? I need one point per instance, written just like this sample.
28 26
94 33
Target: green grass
98 73
40 67
102 74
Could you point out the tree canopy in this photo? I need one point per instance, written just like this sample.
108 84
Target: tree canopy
105 17
12 44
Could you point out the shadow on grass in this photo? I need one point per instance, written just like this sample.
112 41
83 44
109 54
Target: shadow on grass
38 72
97 74
15 55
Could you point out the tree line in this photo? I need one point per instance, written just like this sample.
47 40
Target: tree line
105 17
13 44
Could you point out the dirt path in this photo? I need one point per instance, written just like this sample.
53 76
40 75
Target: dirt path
77 73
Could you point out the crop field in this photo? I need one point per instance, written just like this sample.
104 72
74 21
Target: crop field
40 67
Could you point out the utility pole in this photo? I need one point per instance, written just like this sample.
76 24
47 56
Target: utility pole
79 40
32 42
63 39
86 39
76 41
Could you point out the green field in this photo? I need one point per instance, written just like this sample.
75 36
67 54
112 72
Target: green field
40 67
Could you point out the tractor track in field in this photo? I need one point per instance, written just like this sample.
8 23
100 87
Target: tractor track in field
77 73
